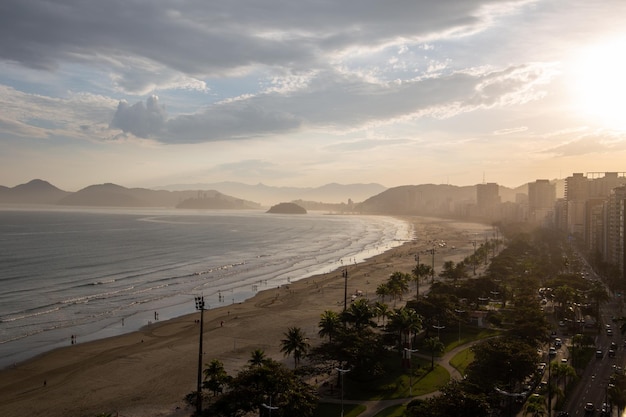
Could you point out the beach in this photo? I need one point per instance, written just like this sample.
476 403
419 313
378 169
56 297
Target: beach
148 372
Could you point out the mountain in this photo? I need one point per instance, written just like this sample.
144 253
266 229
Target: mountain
112 195
33 192
268 195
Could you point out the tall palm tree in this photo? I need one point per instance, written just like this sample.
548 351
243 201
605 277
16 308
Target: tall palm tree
398 284
329 324
359 314
382 291
295 343
405 321
382 310
215 376
421 270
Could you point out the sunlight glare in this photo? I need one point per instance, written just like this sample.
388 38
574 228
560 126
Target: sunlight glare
599 82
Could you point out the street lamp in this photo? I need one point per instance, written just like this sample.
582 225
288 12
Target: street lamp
438 327
200 306
344 274
410 352
459 312
269 407
341 372
474 260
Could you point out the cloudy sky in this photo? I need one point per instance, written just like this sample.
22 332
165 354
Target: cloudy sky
144 93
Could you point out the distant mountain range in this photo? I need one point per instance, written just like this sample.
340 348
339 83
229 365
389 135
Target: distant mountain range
266 195
112 195
425 199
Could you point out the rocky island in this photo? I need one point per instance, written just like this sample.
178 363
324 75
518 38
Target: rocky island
287 208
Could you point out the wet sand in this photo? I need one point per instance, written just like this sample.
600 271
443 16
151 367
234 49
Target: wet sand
148 372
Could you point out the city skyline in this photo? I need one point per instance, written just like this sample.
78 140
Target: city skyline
305 94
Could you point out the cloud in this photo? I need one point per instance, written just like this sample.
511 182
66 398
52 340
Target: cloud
599 142
337 102
216 39
141 120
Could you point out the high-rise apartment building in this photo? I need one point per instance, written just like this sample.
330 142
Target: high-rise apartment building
541 200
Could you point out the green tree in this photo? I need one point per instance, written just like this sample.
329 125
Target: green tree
536 406
257 358
329 324
382 310
296 343
254 386
433 345
420 271
215 377
404 322
360 314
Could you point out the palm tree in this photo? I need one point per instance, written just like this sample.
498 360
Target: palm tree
295 342
329 324
398 284
359 314
382 310
421 270
382 291
257 358
215 376
405 321
434 345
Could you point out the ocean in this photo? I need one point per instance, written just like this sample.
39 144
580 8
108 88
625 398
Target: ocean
74 275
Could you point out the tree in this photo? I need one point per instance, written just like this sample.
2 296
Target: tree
253 386
257 358
215 377
404 322
295 343
381 310
359 314
398 284
433 345
420 271
536 405
329 324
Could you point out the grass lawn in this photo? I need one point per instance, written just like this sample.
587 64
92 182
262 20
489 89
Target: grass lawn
332 409
393 411
395 384
461 360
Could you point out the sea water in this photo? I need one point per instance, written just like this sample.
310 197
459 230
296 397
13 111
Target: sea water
73 275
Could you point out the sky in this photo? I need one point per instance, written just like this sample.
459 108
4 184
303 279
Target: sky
148 93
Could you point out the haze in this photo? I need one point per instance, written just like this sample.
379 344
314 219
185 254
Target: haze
307 93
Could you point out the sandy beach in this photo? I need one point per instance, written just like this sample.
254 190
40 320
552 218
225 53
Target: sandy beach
148 373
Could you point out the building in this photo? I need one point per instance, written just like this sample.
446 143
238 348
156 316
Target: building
541 201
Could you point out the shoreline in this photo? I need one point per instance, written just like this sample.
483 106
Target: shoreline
148 372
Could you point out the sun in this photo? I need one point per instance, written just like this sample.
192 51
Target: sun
599 82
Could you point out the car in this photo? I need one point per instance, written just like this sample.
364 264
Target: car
599 354
541 367
558 342
611 353
609 332
613 345
589 408
552 351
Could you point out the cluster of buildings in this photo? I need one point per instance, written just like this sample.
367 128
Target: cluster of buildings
591 210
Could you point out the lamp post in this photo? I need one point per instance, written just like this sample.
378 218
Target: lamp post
344 274
432 267
200 306
417 276
474 259
438 327
269 407
459 312
410 352
341 372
